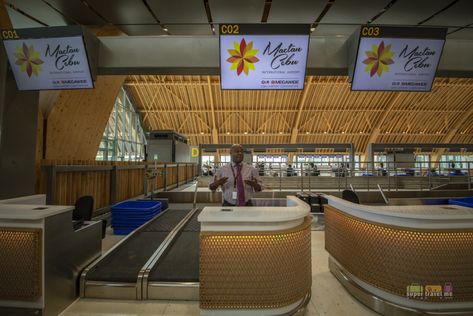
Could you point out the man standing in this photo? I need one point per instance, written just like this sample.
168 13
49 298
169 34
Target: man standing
238 180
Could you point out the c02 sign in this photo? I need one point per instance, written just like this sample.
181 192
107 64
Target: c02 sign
370 31
9 34
230 29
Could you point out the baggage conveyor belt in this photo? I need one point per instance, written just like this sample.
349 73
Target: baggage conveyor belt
167 246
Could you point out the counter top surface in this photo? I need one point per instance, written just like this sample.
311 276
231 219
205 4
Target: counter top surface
254 218
432 216
30 212
262 214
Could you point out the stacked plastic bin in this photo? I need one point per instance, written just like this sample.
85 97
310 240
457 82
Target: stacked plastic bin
129 215
467 202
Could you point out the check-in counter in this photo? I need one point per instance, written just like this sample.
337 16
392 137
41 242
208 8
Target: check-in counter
41 257
403 260
255 260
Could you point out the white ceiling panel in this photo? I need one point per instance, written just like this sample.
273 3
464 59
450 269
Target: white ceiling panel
295 11
411 12
466 33
179 11
137 30
19 21
41 11
76 10
350 11
241 11
460 14
190 29
334 30
123 11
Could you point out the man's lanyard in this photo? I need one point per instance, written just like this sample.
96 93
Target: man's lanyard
234 177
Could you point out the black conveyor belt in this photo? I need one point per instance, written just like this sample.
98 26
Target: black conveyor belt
125 262
181 261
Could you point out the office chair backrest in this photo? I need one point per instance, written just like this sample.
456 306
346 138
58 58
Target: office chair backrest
84 208
351 196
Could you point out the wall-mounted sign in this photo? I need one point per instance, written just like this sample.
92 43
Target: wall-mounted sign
397 58
47 63
194 151
260 57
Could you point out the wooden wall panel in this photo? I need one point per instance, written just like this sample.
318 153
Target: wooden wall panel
130 183
182 173
77 121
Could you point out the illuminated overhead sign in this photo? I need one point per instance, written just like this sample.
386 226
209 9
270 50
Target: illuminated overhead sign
263 57
48 58
397 58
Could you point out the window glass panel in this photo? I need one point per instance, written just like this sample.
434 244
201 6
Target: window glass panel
123 137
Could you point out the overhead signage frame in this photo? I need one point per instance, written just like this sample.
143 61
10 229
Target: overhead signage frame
263 56
391 58
52 58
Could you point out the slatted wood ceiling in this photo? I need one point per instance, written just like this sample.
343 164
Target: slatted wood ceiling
329 112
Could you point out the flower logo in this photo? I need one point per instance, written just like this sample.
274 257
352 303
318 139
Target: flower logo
379 57
242 57
28 60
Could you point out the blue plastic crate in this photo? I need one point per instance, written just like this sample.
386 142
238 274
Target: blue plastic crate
467 202
128 215
164 202
146 205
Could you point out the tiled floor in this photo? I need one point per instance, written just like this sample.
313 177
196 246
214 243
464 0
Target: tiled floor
328 295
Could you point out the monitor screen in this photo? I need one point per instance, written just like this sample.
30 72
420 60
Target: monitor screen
48 63
397 58
263 57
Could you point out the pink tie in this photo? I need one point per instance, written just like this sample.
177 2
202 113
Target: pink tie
240 187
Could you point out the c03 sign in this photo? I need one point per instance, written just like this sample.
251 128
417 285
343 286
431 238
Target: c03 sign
370 31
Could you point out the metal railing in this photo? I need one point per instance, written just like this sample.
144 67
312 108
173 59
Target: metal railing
390 176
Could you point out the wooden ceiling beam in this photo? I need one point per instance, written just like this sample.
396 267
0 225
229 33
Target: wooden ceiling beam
377 128
295 128
212 110
454 130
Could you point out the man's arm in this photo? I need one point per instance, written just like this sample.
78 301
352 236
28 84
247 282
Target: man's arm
217 181
255 181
